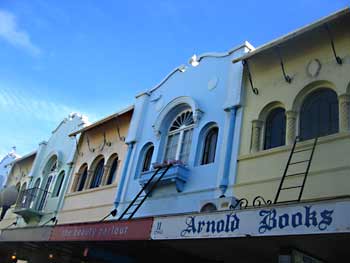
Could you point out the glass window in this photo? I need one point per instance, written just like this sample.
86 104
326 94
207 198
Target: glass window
82 180
275 129
58 185
210 146
113 171
98 174
146 166
319 114
180 137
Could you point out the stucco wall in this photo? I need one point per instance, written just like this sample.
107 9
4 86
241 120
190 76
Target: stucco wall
212 89
94 204
260 173
18 176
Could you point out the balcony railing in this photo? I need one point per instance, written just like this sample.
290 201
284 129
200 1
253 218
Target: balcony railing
30 202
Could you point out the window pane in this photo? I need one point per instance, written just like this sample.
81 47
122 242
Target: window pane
171 147
186 145
82 180
113 171
275 129
96 180
58 185
319 114
210 146
148 159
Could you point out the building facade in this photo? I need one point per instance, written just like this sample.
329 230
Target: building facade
192 118
16 182
97 168
49 176
303 91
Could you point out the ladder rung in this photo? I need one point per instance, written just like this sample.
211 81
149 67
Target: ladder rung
287 175
291 187
303 150
299 162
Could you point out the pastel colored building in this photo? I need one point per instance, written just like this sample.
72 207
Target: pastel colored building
192 117
303 91
16 181
5 166
97 168
40 202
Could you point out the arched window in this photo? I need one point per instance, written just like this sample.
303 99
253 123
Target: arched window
98 174
180 137
209 148
45 193
37 183
209 207
58 185
275 129
82 179
319 114
113 171
146 164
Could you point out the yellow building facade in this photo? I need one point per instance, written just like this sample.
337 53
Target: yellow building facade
96 170
297 86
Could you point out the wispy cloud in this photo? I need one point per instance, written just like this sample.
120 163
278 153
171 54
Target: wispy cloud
24 105
10 32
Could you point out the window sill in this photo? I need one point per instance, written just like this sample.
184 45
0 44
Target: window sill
302 144
91 190
177 174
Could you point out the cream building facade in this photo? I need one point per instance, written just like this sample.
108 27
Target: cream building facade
97 169
17 179
297 85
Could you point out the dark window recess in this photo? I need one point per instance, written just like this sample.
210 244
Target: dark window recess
113 171
58 185
146 166
210 146
98 174
319 114
275 129
82 180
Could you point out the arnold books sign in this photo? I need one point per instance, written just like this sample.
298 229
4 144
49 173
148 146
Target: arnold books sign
305 218
138 229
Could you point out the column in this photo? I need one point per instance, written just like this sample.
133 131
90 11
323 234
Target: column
90 174
256 135
291 120
344 112
107 169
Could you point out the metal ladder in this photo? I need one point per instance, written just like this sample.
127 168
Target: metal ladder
290 162
142 195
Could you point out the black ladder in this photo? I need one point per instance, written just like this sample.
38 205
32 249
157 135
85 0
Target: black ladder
290 162
140 198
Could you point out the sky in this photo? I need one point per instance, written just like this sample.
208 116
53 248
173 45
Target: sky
93 57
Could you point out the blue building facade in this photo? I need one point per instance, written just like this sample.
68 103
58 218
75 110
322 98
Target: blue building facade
191 118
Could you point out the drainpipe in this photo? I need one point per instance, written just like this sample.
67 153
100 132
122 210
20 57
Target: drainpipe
124 174
226 172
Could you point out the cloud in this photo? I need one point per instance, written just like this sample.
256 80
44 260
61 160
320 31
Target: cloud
10 32
17 104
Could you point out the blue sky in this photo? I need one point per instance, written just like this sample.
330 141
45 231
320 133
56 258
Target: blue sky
92 57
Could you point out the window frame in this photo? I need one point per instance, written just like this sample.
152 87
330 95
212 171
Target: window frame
93 179
180 140
206 141
265 128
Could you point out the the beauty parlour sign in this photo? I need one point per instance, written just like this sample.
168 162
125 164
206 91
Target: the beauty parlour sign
138 229
304 218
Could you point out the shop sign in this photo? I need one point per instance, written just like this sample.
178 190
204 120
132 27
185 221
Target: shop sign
326 217
116 230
